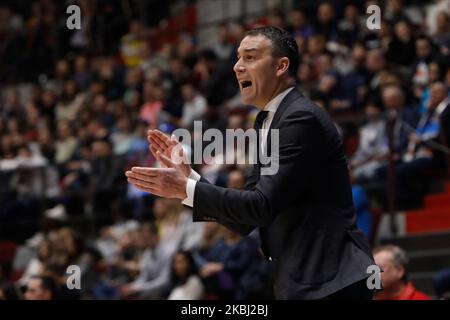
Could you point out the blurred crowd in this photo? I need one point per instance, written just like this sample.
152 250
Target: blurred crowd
76 105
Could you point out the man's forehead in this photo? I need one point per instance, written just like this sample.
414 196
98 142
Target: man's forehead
385 255
254 43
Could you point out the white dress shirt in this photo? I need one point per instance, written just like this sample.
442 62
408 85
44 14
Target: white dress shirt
272 107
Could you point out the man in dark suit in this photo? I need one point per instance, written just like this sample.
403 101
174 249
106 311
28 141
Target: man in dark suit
304 212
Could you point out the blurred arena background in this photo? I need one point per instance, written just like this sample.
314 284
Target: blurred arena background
75 106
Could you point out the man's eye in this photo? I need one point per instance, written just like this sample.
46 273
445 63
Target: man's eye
249 58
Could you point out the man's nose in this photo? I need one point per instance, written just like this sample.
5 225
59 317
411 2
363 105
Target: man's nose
238 67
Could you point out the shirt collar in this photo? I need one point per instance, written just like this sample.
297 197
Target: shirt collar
273 104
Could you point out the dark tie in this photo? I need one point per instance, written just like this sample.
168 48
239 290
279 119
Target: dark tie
258 125
260 119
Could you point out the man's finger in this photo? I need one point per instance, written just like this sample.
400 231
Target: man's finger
158 143
162 137
151 172
148 190
153 150
151 181
143 183
165 160
148 172
157 136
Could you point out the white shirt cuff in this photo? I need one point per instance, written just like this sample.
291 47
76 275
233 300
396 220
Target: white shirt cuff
194 175
190 190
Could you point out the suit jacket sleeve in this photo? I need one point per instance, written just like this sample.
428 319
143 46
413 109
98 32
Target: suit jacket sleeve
252 180
239 228
298 138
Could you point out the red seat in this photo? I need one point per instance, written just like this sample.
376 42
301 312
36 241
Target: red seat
7 251
16 275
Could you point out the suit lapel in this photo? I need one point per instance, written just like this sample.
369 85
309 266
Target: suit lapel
290 97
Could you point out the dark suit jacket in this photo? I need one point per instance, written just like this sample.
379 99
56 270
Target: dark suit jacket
304 212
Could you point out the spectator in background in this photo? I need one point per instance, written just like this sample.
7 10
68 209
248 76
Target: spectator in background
194 105
66 143
306 78
185 281
300 27
432 13
138 153
82 73
171 220
212 232
424 150
40 288
375 65
394 263
154 268
47 105
395 12
100 109
122 136
353 86
427 131
421 90
104 182
372 147
70 103
424 55
441 283
442 35
402 119
277 19
62 74
326 22
11 105
216 77
316 45
153 103
401 49
131 44
225 262
350 27
236 180
10 292
38 265
329 79
224 47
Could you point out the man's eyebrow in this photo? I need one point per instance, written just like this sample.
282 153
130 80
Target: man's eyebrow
247 50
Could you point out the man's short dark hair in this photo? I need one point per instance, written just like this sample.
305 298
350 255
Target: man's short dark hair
283 43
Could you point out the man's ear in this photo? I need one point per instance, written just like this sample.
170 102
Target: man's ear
283 66
402 271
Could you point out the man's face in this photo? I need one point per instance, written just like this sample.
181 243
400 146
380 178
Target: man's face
36 292
391 277
423 48
256 70
236 180
437 94
372 113
392 100
358 55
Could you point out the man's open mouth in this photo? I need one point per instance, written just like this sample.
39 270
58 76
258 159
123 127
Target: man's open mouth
246 84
